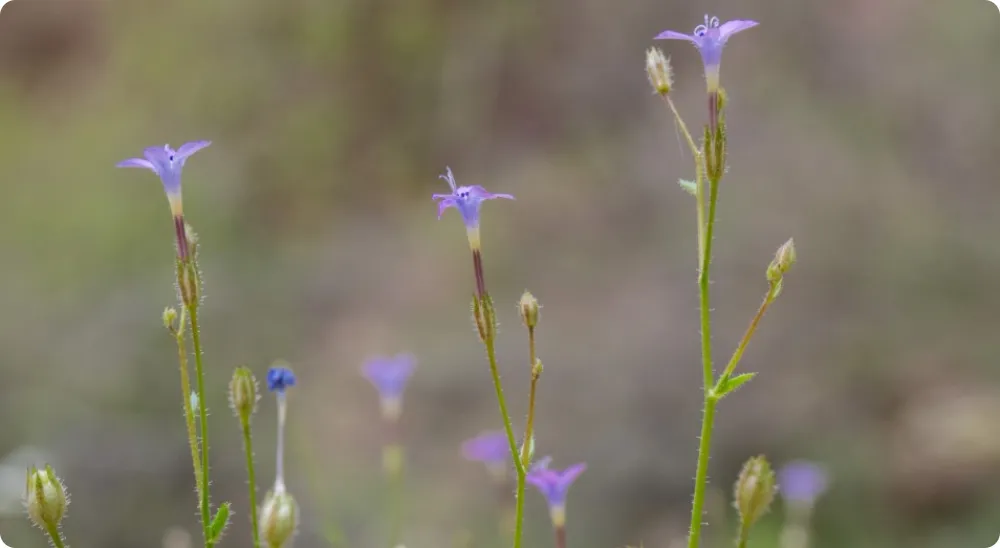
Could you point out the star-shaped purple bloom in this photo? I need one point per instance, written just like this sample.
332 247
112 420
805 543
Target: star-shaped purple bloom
279 379
167 163
554 484
389 375
710 38
466 199
802 482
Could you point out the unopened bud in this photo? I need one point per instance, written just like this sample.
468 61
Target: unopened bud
243 393
528 306
661 76
278 518
784 258
169 318
754 491
45 498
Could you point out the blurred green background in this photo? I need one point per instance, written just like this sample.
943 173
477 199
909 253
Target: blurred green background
866 129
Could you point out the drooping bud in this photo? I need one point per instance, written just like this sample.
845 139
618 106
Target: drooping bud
169 319
784 258
243 393
45 498
278 518
754 491
661 76
528 307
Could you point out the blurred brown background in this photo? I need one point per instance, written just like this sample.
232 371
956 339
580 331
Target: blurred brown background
866 129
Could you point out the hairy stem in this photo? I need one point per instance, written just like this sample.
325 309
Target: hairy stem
518 465
530 425
203 419
192 433
251 478
53 532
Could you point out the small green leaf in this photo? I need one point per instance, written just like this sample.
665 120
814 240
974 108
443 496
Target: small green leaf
219 523
690 186
729 385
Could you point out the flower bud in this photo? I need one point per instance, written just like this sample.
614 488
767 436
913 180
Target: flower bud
661 76
278 518
169 318
243 393
783 261
528 306
754 491
45 498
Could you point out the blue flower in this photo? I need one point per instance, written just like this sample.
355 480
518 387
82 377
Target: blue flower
490 448
280 378
389 375
554 485
710 38
467 200
167 163
802 482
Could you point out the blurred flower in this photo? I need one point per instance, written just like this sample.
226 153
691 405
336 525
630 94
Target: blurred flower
802 482
467 200
710 38
554 486
280 378
279 517
490 448
389 375
167 163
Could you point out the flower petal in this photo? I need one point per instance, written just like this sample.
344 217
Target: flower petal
479 193
730 28
570 474
137 162
445 203
187 149
672 35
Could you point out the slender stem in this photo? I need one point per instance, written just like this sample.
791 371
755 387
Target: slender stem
518 465
708 419
53 532
530 426
741 541
192 433
751 329
203 419
699 175
395 499
561 537
251 478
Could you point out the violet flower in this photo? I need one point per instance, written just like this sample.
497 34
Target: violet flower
490 448
802 482
710 38
389 375
279 379
467 200
167 163
554 485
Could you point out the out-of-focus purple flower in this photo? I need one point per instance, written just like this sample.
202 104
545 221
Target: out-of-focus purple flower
389 375
490 448
279 379
802 482
710 38
167 163
554 485
467 200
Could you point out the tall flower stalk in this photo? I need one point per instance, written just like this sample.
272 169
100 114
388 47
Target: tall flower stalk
710 165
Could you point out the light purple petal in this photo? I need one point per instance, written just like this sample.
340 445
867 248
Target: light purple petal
158 155
477 192
445 203
136 162
489 447
187 149
730 28
570 474
672 35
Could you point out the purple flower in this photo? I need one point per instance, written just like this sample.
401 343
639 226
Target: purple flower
802 482
167 163
389 375
279 379
491 448
554 485
710 38
467 200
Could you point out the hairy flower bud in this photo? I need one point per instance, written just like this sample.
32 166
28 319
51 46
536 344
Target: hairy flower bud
169 318
45 498
661 76
278 518
528 307
784 258
243 393
754 491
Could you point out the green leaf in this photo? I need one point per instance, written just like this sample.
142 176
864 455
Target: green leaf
729 385
690 186
219 523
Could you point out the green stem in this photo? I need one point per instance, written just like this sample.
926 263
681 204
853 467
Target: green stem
192 432
251 478
708 419
741 541
530 426
699 176
203 418
518 465
396 505
751 329
57 540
